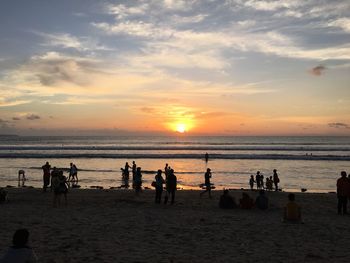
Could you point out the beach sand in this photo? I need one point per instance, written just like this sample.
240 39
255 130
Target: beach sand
116 226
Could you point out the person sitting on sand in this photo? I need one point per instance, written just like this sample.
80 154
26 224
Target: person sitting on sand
159 186
343 190
59 185
138 180
292 211
171 184
207 183
246 202
227 201
20 251
21 177
3 195
261 201
46 177
251 182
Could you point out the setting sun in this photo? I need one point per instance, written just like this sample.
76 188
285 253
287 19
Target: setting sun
181 128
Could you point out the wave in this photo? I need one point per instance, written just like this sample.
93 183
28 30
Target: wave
176 156
176 148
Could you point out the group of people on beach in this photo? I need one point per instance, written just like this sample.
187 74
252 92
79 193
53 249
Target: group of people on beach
136 176
291 212
57 182
259 180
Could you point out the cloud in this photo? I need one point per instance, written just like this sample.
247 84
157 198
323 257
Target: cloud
343 23
318 70
32 117
66 40
339 125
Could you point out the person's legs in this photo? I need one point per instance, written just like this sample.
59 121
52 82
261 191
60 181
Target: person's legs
166 197
172 196
345 204
340 204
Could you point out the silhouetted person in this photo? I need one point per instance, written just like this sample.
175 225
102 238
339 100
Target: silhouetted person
207 184
46 175
138 180
292 211
246 202
133 170
257 180
206 157
251 182
20 252
73 174
227 201
159 186
3 195
261 201
276 179
59 186
21 177
343 189
171 183
126 170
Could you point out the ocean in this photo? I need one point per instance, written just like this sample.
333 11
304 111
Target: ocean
307 162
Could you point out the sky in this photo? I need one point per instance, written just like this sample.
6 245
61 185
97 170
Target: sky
201 67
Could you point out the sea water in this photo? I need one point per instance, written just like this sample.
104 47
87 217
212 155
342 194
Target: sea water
308 162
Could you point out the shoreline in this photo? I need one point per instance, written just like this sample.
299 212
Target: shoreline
130 189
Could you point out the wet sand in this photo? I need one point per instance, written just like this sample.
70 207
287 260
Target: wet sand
115 226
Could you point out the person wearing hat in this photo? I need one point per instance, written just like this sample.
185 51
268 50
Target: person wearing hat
207 184
276 180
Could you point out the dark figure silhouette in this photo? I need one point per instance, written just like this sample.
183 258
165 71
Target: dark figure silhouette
246 202
207 184
261 201
133 169
227 201
343 189
251 182
257 180
206 157
159 186
21 177
276 180
46 175
292 211
138 180
171 184
20 251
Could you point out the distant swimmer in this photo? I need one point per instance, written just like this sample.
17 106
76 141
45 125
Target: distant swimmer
206 157
21 177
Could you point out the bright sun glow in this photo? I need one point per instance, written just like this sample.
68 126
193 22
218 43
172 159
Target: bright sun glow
181 127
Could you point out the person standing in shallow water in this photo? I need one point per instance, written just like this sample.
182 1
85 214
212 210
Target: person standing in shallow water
46 175
276 179
207 183
206 157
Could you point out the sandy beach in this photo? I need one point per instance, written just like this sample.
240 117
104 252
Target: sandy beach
115 226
